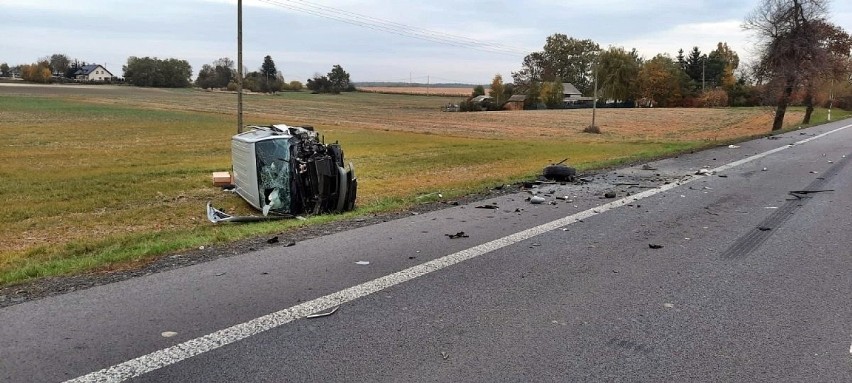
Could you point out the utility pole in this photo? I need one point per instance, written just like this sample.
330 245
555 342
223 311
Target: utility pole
239 66
830 98
595 96
703 65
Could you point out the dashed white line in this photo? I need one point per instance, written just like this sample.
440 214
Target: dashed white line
174 354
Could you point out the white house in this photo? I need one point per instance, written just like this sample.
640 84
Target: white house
93 72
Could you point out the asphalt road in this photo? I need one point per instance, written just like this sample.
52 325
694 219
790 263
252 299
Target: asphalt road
749 283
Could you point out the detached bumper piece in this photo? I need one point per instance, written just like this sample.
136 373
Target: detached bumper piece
215 215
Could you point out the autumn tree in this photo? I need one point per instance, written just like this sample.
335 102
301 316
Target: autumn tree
37 72
789 45
497 90
830 63
660 80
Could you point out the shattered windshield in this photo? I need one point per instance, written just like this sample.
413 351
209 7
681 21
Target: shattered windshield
273 164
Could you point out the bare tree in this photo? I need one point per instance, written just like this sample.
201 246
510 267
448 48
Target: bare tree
789 43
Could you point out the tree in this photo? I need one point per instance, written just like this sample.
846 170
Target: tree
269 75
563 57
617 72
339 80
660 80
789 45
5 70
295 85
59 63
533 95
478 90
37 72
552 94
319 84
497 90
216 75
153 72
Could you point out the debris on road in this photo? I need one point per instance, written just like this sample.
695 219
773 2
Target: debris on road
487 207
655 246
732 146
445 355
609 195
325 314
764 228
800 193
272 240
559 172
536 200
362 263
648 167
702 172
460 234
168 334
215 215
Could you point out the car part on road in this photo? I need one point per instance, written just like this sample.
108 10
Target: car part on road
215 215
560 173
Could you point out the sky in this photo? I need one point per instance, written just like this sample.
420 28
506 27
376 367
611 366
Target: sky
435 41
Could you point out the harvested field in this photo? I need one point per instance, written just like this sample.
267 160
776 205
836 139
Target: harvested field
103 175
419 90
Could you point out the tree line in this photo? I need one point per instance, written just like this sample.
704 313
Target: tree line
803 58
175 73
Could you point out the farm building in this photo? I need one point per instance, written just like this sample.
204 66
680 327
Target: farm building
573 97
516 102
93 72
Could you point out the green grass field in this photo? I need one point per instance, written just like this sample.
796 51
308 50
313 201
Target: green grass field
113 176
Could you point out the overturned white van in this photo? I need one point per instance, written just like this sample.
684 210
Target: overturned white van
289 170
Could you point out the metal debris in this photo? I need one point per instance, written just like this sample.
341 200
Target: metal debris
215 215
325 314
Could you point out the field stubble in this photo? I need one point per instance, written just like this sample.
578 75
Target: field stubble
98 175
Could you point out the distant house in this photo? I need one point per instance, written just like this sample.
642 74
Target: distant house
573 98
516 102
93 72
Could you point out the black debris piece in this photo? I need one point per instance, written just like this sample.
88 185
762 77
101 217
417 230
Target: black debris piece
609 195
460 234
559 173
272 240
764 228
655 246
487 207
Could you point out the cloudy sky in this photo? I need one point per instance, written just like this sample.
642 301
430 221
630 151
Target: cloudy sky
374 40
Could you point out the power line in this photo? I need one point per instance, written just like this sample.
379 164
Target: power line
382 25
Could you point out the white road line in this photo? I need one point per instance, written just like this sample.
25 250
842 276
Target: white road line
171 355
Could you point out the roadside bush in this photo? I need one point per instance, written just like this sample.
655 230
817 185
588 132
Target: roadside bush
594 129
714 98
